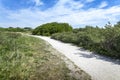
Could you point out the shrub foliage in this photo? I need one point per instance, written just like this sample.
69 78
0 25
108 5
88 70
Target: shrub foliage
104 41
51 28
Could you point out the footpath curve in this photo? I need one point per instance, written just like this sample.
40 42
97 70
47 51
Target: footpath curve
99 67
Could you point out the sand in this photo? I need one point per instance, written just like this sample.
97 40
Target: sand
98 67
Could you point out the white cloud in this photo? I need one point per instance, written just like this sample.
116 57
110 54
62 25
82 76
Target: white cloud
69 4
61 13
75 5
103 4
91 17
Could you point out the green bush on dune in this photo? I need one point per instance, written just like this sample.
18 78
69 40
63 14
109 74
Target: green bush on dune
104 41
65 37
51 28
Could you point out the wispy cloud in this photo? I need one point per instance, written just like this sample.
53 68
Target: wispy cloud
73 14
103 4
75 5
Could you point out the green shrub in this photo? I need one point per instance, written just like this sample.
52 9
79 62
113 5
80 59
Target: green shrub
110 47
51 28
67 37
104 41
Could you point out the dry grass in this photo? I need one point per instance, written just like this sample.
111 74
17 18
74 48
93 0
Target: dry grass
28 58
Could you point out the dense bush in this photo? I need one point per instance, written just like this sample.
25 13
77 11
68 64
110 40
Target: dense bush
110 47
51 28
65 37
105 41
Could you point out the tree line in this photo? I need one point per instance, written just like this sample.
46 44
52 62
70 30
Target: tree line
16 29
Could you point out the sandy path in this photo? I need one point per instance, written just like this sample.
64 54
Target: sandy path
100 68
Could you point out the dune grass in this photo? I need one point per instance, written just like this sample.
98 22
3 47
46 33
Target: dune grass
24 57
27 58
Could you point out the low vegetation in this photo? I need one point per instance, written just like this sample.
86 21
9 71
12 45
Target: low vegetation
17 29
28 58
104 41
51 28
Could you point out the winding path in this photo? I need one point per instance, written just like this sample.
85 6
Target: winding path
100 68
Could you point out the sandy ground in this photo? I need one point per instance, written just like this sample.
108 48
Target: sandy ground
99 67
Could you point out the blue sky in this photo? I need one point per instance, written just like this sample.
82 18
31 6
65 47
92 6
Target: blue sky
78 13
